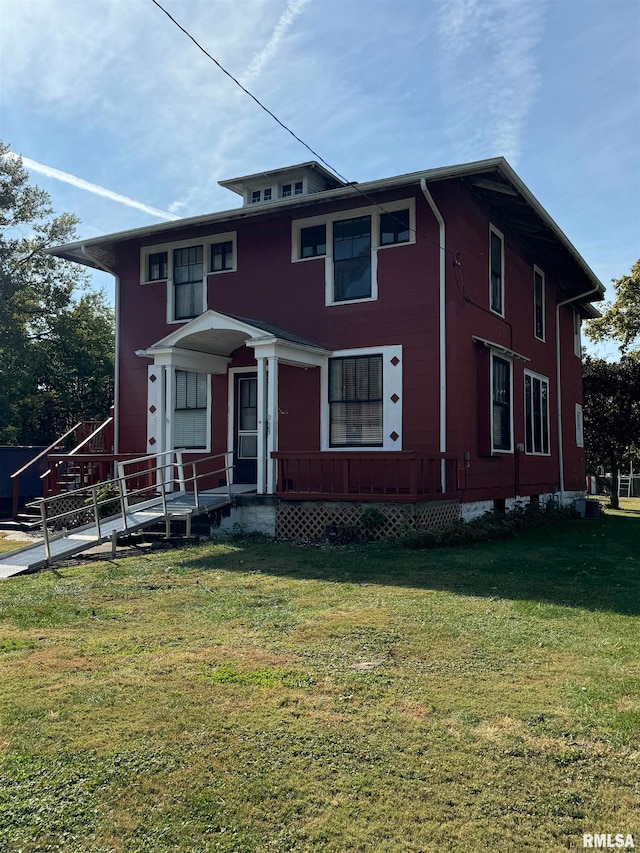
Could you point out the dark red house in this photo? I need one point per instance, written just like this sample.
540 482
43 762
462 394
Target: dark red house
407 340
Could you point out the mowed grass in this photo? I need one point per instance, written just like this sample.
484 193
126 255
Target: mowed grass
254 696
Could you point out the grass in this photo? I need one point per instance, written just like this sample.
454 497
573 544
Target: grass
10 544
251 696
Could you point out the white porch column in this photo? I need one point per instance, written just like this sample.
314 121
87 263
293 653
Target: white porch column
272 415
262 424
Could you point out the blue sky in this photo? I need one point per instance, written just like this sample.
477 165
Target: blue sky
113 94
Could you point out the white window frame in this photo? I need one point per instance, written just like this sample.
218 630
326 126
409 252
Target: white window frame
391 411
545 379
374 211
577 336
579 426
498 233
206 243
502 357
538 271
207 447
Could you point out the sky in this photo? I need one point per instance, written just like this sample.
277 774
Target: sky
124 122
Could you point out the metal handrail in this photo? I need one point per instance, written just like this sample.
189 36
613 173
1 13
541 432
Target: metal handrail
120 485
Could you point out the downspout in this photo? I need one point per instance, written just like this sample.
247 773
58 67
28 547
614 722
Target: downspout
559 386
116 384
443 331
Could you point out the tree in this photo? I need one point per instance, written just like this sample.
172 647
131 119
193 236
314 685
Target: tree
56 336
611 415
621 318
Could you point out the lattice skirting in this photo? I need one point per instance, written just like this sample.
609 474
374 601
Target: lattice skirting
311 519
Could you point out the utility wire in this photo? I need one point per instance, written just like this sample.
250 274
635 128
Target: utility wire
331 168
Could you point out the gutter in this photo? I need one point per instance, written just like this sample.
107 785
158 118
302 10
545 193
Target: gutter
443 328
116 384
558 382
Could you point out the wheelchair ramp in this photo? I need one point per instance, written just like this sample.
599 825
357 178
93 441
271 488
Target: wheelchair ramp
180 506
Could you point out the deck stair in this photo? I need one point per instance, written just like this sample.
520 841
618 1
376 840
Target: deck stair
167 495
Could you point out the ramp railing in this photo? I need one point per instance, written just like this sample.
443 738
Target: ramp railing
155 476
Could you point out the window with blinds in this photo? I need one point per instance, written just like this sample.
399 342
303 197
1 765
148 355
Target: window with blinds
190 413
355 401
501 422
187 282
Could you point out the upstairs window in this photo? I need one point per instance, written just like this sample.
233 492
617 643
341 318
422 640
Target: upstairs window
536 411
158 266
222 256
256 196
355 401
313 241
577 340
188 282
267 194
286 191
501 404
190 413
394 228
496 271
538 303
352 258
297 188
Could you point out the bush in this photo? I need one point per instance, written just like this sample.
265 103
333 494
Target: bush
492 525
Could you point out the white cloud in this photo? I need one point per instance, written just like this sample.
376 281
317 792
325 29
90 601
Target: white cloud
81 184
286 21
489 73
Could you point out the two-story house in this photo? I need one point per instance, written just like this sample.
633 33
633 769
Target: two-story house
406 340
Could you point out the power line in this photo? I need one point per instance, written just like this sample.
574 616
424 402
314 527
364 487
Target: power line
331 168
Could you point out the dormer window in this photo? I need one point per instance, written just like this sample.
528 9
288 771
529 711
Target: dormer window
256 196
297 188
267 194
286 191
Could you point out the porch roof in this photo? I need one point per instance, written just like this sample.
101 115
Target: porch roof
216 334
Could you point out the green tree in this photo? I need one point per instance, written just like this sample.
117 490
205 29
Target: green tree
611 415
56 336
621 318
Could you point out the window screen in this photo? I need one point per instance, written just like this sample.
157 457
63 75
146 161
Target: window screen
187 282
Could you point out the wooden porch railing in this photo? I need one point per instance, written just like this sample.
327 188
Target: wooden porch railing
367 476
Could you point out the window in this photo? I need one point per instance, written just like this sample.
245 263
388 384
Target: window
352 258
496 271
158 266
188 282
222 256
267 194
579 426
394 227
577 342
190 413
355 401
501 404
536 414
297 188
538 302
256 195
313 241
286 191
350 241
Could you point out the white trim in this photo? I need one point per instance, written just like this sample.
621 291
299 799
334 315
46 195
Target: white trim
499 348
579 426
231 406
498 233
509 361
374 211
169 248
536 269
541 378
391 412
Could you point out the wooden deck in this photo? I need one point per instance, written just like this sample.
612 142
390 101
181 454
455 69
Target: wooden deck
181 506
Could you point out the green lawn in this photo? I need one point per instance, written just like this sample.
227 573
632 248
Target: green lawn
250 697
